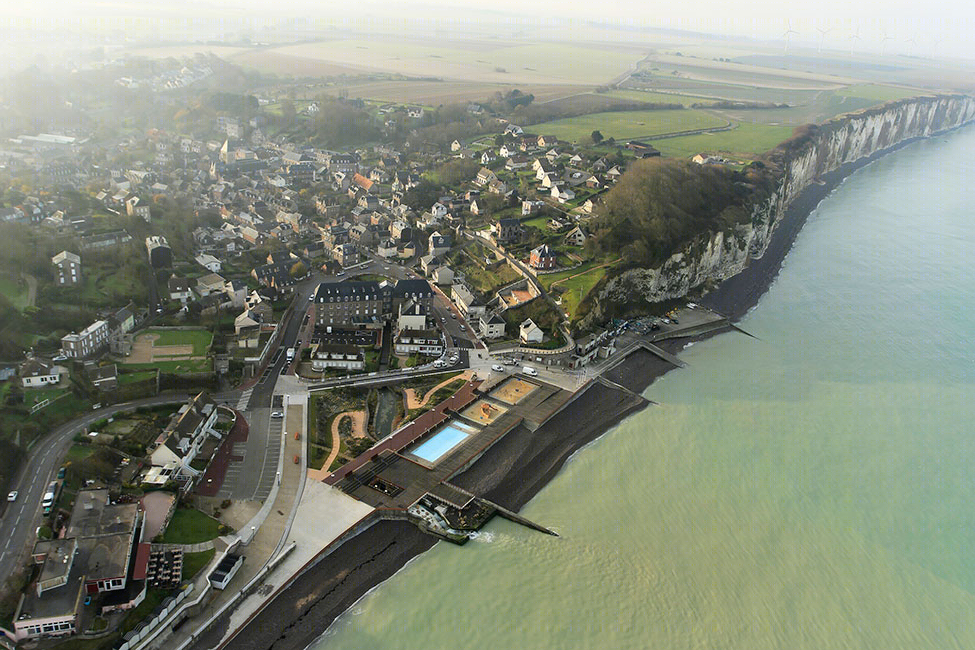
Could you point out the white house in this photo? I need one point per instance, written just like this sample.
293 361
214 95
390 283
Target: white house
37 372
529 332
183 438
343 357
492 327
209 262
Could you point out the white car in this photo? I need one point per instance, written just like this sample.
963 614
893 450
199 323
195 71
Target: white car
277 415
12 496
463 329
497 367
531 372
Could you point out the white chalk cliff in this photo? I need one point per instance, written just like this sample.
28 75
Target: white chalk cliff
841 141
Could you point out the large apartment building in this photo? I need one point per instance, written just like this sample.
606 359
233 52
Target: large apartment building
343 304
87 341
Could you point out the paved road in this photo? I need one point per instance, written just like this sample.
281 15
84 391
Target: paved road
22 517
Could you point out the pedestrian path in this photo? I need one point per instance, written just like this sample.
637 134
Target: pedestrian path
245 397
186 548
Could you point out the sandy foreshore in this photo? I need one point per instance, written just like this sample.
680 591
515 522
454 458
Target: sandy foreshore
513 470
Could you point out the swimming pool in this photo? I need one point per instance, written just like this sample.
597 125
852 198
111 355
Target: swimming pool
437 445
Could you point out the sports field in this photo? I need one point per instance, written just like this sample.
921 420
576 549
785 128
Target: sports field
625 125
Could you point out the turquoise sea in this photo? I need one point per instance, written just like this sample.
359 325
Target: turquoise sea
813 487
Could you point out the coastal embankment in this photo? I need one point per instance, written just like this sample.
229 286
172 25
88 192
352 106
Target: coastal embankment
519 465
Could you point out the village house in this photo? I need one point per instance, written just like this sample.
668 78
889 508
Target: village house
506 230
179 289
68 267
35 373
542 258
529 332
339 356
492 326
575 237
178 445
426 342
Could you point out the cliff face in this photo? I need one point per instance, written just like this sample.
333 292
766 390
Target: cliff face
841 141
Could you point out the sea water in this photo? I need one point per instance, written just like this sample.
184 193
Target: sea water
813 487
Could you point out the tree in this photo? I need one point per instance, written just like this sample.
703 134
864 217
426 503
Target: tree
498 140
288 112
596 136
298 270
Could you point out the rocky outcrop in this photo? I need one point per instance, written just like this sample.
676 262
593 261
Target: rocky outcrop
802 161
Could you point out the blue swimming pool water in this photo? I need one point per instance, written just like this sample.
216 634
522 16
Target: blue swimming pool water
443 441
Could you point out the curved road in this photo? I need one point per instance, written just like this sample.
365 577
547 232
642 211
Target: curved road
23 516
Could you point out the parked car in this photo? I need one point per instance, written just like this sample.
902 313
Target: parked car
60 357
463 329
12 496
497 367
277 415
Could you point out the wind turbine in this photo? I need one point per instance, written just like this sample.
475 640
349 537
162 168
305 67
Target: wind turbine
883 43
788 36
853 39
822 36
911 45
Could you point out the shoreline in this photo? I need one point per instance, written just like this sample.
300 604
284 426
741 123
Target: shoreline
519 465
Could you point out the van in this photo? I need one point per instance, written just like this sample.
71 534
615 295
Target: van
49 497
291 354
531 372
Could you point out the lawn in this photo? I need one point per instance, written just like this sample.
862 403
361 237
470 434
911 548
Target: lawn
14 290
626 125
135 377
189 526
576 288
745 140
199 339
193 563
173 367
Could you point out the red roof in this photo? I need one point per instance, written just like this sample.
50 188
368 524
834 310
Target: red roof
141 562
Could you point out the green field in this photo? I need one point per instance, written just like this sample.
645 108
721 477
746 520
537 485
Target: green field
574 288
14 290
189 526
877 93
185 365
747 140
659 98
199 339
627 125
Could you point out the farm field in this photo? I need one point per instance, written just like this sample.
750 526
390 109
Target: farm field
659 97
626 125
735 73
435 93
745 141
472 60
718 89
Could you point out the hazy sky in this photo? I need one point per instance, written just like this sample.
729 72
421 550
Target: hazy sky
903 26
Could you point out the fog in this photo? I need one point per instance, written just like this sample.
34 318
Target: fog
894 27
